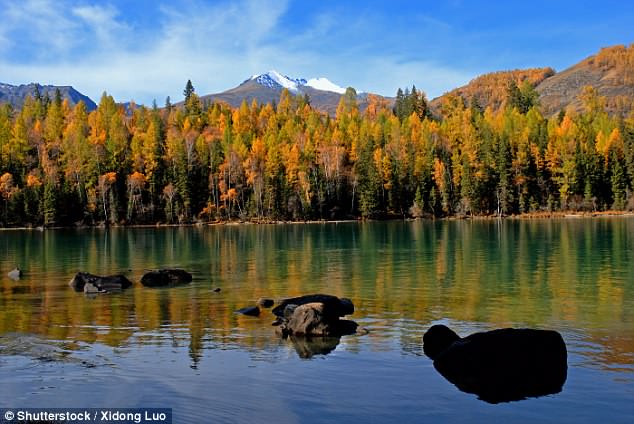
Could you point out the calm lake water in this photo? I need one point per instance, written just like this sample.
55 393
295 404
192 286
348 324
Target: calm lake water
185 348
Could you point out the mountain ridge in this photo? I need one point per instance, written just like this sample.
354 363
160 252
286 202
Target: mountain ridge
610 71
15 95
265 88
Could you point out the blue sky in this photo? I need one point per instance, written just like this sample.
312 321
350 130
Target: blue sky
145 50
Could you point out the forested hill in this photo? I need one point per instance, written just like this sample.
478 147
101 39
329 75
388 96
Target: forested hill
610 72
490 90
63 165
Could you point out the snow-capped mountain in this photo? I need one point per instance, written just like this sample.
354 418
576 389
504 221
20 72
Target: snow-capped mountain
274 79
265 88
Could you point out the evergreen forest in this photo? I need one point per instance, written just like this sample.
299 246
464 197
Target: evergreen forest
202 162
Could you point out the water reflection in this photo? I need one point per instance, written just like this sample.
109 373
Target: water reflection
400 275
307 347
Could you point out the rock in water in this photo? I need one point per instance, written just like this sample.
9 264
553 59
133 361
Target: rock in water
102 284
252 311
318 318
15 274
340 307
265 303
500 365
166 277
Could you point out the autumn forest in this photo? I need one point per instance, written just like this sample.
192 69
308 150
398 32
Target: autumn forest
201 162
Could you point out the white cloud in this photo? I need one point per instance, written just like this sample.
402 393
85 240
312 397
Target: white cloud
45 23
215 45
102 21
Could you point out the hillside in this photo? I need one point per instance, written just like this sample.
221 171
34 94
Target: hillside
610 72
490 89
16 94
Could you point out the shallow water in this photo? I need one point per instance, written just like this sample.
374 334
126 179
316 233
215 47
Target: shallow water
185 348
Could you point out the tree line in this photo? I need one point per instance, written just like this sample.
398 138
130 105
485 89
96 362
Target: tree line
61 165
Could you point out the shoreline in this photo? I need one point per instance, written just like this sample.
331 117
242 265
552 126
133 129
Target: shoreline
518 217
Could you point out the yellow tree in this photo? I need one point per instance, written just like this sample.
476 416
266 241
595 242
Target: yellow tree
560 157
136 184
104 187
77 153
254 168
7 191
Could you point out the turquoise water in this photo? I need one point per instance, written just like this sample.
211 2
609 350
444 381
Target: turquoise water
185 348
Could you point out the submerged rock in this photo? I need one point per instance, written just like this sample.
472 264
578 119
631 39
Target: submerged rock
100 283
500 365
314 315
252 311
40 349
166 277
15 274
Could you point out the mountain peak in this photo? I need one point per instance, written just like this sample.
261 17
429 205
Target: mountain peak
274 79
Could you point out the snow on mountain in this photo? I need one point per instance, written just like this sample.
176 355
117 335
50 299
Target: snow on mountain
325 84
274 79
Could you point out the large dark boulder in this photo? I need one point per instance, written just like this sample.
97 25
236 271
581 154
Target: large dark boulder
336 306
166 277
84 281
500 365
314 319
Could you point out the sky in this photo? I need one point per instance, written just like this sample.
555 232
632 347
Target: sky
146 50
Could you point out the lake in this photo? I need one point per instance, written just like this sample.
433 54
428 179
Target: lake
185 348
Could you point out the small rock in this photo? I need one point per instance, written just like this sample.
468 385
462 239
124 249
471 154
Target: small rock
15 274
165 277
103 284
252 311
265 303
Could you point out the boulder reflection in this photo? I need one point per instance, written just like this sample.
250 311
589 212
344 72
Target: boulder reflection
307 347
